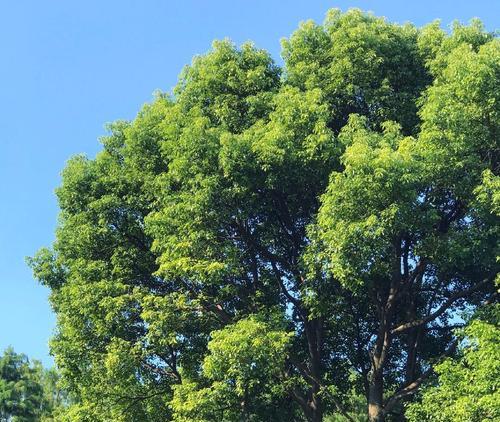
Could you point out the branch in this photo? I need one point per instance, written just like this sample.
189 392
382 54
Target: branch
296 302
160 371
418 270
446 328
134 400
217 309
312 379
299 398
273 260
417 323
340 408
414 385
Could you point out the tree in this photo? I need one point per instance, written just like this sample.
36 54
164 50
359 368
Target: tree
467 386
340 203
28 392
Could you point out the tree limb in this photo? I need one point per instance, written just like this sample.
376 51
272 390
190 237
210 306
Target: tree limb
438 312
414 385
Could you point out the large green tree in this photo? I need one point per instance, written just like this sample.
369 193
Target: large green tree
249 243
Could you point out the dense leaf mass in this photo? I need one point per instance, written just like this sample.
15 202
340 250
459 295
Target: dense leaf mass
266 242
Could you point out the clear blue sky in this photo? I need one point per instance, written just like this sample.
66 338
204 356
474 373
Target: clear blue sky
68 67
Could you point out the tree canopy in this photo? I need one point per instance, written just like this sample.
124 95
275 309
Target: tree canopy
265 242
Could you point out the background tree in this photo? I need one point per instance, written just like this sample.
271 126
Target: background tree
28 392
335 210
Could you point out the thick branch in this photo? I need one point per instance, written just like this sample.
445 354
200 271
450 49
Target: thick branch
438 312
412 387
312 379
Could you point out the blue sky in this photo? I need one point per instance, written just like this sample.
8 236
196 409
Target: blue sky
68 67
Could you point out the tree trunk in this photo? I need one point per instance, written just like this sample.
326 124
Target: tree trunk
375 398
316 408
376 411
314 335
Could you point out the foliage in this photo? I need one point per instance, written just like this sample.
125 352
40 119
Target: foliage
467 387
246 243
242 374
